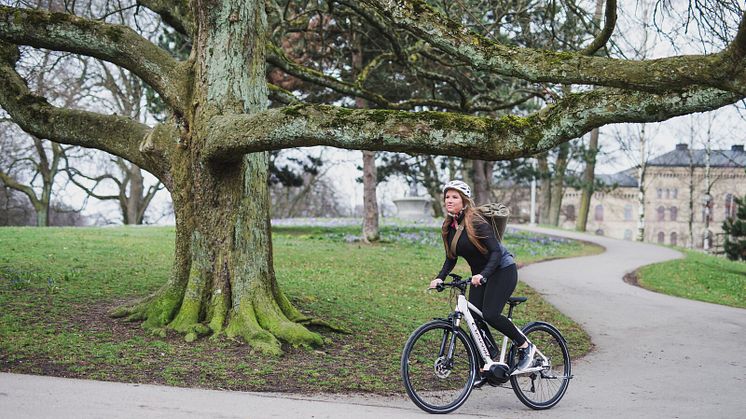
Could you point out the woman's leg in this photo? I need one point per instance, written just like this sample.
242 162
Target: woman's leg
496 292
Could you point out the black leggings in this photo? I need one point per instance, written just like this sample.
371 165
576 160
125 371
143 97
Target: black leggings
491 297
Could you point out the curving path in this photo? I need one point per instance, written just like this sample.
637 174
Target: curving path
656 356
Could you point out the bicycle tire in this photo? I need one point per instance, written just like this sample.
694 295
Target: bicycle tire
433 382
538 390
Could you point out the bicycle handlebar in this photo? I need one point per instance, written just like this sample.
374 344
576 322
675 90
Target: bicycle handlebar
458 282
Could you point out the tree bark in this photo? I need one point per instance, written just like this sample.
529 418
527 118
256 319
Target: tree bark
482 181
589 180
542 165
223 276
641 187
558 184
370 201
432 183
370 173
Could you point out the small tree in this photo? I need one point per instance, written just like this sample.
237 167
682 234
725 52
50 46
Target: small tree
735 232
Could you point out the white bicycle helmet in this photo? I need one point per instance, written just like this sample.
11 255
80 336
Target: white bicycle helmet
459 186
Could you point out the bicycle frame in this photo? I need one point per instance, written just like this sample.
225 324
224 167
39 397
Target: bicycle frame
463 310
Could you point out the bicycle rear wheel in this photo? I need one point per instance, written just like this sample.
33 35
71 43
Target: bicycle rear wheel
438 367
544 388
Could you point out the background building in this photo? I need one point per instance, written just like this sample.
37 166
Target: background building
686 193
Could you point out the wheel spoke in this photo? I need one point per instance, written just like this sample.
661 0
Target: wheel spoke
438 368
544 389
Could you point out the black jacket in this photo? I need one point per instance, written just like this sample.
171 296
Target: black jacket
497 255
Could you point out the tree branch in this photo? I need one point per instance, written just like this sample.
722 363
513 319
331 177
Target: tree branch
609 24
678 73
117 44
13 184
277 57
178 14
117 135
483 138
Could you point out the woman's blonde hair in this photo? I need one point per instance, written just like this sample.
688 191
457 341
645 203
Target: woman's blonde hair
470 216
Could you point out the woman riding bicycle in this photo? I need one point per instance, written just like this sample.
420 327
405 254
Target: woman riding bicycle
494 271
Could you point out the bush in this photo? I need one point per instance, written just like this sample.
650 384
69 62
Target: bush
735 232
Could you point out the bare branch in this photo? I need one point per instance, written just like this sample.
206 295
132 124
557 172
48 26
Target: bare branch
453 134
13 184
117 135
603 37
114 43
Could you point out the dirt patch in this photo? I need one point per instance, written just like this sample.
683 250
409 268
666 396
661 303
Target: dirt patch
138 356
632 279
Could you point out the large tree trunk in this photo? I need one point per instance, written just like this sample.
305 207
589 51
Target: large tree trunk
589 180
223 280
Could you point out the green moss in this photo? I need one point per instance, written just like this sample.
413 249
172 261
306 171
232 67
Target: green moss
271 318
217 312
514 122
243 323
294 110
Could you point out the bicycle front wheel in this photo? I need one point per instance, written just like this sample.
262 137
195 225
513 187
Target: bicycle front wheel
438 367
547 383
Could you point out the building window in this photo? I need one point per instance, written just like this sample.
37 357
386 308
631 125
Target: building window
730 206
599 232
668 193
599 213
674 213
675 193
659 193
661 213
661 237
628 212
570 212
627 234
674 238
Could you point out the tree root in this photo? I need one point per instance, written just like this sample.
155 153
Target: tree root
156 310
263 321
294 315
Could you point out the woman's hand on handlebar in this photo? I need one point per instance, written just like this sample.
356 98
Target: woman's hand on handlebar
435 282
476 280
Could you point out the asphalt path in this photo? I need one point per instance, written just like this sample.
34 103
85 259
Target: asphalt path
655 356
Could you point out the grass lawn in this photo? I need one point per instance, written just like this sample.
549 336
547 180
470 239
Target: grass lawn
57 285
698 276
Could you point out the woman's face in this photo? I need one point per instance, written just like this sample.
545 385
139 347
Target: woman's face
453 201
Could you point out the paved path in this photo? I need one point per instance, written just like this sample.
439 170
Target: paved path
656 357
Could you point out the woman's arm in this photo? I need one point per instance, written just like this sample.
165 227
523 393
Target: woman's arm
448 266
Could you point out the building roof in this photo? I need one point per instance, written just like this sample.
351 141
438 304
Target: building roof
622 179
735 157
